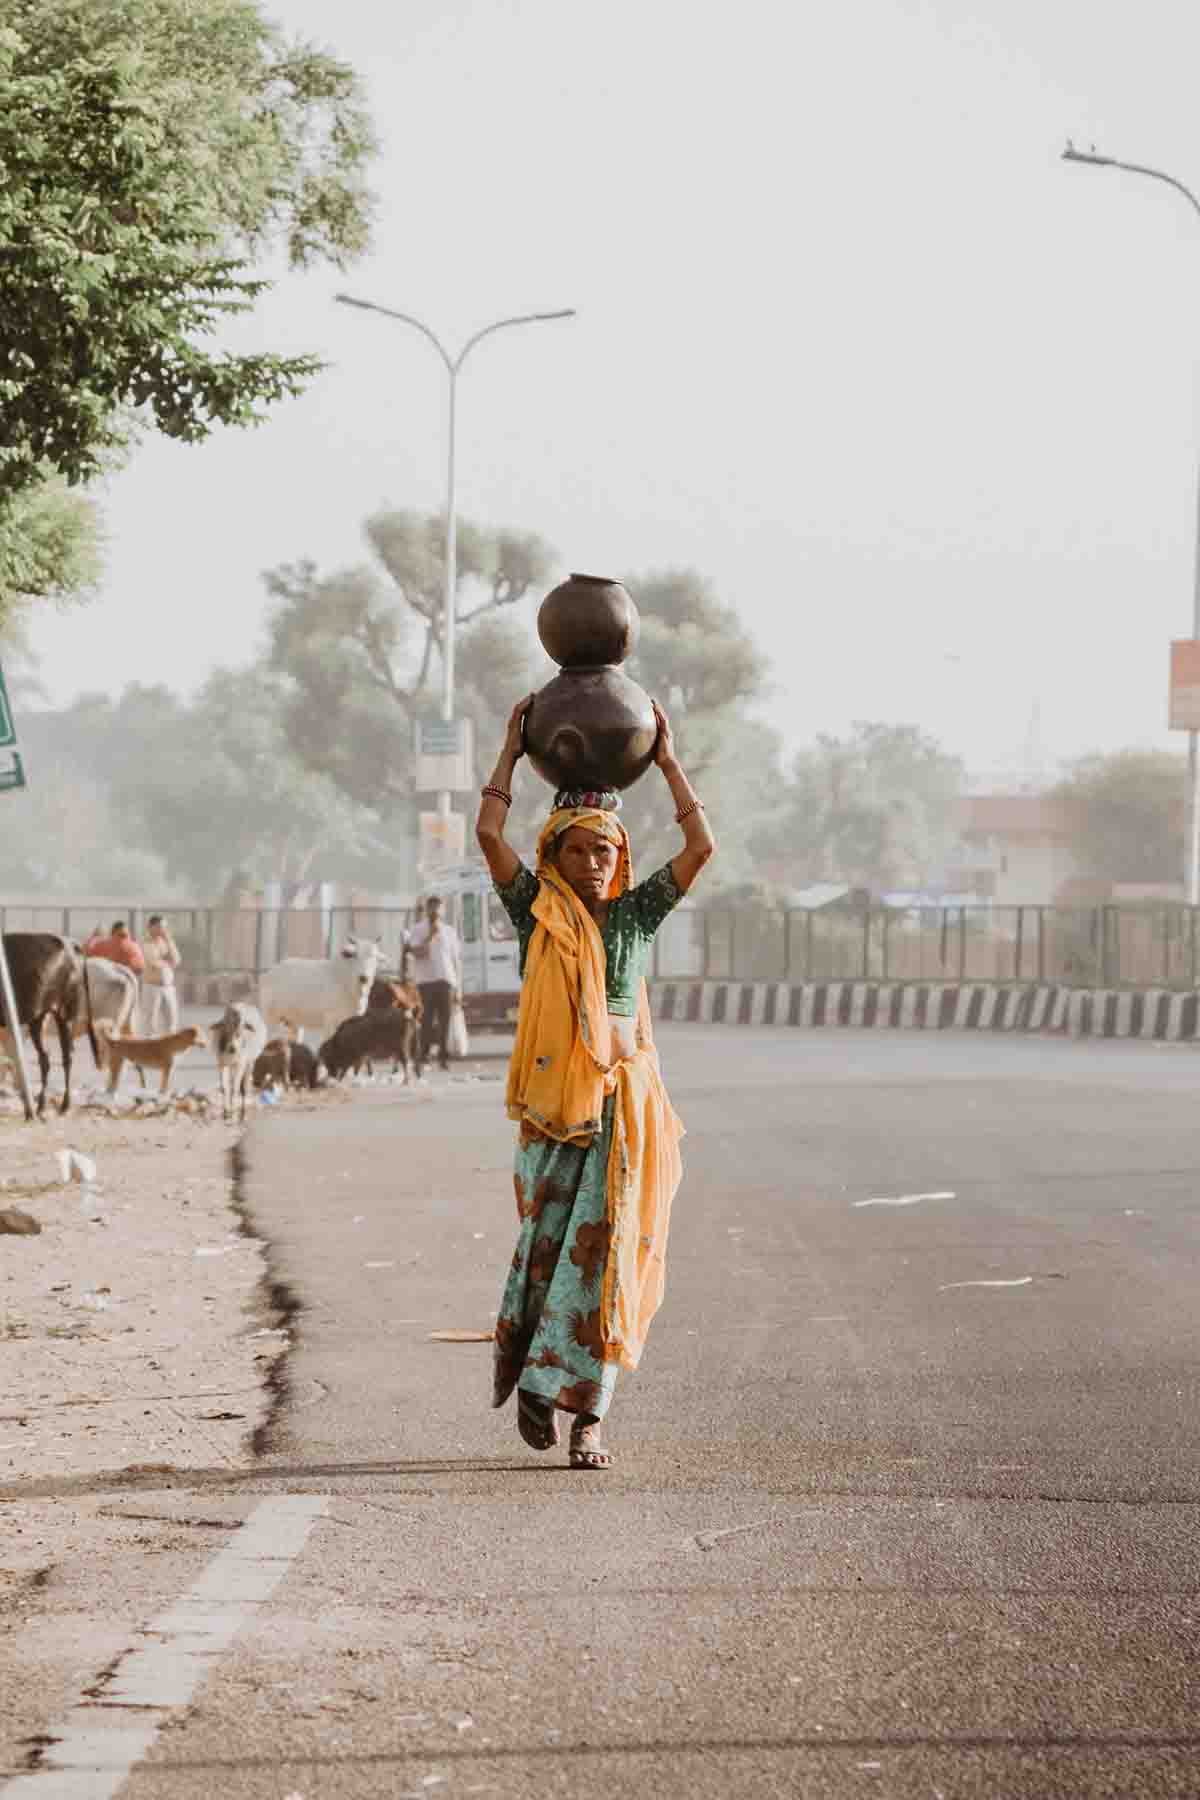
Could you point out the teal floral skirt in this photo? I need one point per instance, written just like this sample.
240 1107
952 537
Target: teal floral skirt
548 1329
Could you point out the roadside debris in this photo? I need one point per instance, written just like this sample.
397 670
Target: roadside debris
1014 1282
73 1165
16 1223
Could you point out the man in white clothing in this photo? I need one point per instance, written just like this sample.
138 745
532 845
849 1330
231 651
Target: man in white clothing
158 979
437 952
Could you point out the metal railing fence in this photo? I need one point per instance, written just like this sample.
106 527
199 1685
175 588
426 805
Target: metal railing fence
1096 946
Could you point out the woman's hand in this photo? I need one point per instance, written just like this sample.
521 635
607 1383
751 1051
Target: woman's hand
514 740
664 744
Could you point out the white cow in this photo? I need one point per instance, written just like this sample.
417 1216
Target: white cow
113 992
238 1037
311 995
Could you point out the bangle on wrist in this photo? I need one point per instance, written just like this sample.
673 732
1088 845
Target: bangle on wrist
497 793
685 812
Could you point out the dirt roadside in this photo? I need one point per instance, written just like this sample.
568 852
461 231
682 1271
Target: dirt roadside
138 1337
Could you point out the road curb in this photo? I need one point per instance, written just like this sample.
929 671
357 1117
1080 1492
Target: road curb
1162 1014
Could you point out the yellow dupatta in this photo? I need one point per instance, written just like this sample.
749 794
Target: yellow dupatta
560 1076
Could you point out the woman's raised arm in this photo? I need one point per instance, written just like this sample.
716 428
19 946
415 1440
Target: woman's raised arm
698 840
502 859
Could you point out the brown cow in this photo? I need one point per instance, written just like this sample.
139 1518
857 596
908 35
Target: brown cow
284 1063
403 994
379 1032
48 982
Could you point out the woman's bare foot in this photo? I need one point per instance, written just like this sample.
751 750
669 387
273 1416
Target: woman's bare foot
587 1452
537 1421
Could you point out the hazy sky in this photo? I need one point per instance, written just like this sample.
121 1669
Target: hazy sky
918 396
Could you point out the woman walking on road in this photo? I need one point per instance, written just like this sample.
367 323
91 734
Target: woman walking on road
597 1160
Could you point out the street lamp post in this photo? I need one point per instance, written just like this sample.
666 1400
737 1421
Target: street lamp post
452 364
1192 863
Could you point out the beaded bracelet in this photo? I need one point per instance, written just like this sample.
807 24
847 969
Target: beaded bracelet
497 793
685 812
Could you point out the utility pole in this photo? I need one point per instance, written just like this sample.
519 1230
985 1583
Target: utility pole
1191 883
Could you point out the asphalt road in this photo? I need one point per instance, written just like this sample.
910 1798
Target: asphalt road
906 1500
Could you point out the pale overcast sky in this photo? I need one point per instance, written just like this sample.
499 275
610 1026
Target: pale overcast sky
918 396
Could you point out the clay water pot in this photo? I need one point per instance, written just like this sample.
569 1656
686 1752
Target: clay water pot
591 727
588 621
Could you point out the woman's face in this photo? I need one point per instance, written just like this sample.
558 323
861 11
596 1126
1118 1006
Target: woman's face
588 862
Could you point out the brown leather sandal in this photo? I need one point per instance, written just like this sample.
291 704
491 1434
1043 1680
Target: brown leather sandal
586 1451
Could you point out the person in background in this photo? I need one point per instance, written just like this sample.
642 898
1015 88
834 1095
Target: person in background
162 959
120 946
437 954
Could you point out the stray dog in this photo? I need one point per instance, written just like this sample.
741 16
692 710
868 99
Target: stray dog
284 1064
147 1052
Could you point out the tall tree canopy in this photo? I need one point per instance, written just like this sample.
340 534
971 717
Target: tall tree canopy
360 648
156 796
1127 814
361 651
148 148
874 809
697 659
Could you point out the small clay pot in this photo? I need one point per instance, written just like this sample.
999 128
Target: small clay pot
588 621
591 728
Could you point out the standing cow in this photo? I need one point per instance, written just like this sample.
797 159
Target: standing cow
239 1038
108 995
312 995
47 979
106 1003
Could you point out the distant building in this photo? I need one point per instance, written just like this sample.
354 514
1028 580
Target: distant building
1012 849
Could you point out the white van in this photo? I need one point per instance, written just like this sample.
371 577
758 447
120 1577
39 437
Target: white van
491 977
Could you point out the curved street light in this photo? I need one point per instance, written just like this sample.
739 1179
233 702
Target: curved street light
452 364
1192 868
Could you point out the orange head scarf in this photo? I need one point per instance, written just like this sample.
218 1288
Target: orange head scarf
564 1044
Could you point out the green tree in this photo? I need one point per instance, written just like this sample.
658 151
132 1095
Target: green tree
63 839
51 548
230 795
1127 814
148 148
360 650
187 793
874 809
697 659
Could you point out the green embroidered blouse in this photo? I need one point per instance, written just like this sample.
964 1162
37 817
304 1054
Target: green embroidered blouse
627 932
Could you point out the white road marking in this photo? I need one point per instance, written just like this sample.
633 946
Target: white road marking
1020 1281
902 1200
98 1741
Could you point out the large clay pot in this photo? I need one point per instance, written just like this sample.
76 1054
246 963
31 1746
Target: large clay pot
591 727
